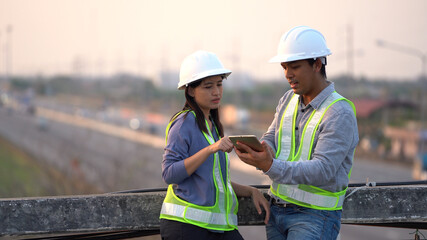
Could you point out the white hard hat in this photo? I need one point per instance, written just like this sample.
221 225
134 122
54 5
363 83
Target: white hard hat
199 65
299 43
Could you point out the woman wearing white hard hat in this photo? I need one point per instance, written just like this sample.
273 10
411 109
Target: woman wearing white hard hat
201 201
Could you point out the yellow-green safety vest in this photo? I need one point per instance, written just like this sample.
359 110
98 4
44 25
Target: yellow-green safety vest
301 194
222 215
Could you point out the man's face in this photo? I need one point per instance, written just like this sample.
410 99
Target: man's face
300 75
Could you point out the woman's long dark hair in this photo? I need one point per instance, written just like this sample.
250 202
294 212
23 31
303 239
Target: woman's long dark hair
190 104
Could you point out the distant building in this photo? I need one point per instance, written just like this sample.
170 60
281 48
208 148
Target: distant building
366 108
385 128
405 142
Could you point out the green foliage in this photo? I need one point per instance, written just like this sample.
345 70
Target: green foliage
264 96
64 84
20 83
19 176
23 176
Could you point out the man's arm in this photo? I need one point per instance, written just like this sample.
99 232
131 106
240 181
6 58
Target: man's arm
335 141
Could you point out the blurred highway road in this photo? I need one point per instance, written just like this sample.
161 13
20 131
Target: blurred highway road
117 158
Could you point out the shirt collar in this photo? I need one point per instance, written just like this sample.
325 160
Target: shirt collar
318 100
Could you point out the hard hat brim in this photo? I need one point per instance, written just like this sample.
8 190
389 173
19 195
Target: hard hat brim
294 57
205 74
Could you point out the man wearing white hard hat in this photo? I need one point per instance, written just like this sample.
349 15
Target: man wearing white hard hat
309 146
201 200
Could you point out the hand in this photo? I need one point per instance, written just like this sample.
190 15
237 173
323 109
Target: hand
224 144
261 160
259 200
271 151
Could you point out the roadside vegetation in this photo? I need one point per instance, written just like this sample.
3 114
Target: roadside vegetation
22 176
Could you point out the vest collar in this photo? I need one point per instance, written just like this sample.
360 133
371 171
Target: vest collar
319 99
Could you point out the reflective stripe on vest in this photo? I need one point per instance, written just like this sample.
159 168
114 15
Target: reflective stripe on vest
304 195
221 216
286 133
194 214
321 201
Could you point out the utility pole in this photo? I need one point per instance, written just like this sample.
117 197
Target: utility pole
1 50
235 61
8 53
350 51
407 50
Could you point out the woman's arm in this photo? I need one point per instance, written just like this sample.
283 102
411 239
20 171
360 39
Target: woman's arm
257 198
193 162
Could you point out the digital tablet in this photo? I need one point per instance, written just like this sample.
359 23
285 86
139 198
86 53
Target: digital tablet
250 140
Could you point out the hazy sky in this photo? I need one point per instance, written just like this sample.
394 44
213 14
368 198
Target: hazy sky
143 37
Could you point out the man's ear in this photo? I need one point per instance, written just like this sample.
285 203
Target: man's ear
318 65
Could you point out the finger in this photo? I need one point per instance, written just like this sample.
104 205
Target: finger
229 144
238 152
229 149
242 156
226 142
227 139
267 217
267 212
267 148
244 147
225 146
258 208
256 200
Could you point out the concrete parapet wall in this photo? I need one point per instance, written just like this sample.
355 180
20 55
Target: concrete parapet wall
400 206
393 206
90 213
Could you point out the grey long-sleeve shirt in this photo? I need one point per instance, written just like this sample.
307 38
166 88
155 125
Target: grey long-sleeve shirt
185 139
334 143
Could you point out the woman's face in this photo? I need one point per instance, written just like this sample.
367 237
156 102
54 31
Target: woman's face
208 94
